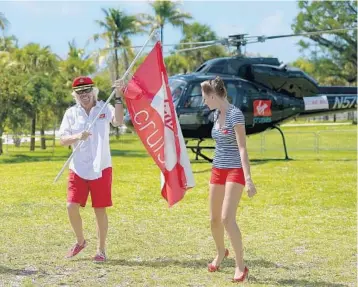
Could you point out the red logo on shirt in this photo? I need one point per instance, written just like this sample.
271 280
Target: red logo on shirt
102 116
262 108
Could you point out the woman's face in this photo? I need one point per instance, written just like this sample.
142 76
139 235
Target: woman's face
210 100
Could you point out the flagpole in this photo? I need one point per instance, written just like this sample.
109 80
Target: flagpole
106 103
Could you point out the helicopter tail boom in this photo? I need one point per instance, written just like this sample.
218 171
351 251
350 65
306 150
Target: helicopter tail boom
331 100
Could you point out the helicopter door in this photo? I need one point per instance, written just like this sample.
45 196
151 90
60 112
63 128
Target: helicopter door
232 92
247 93
191 108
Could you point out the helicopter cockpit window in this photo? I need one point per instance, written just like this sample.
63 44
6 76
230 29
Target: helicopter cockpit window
217 69
231 92
195 98
176 88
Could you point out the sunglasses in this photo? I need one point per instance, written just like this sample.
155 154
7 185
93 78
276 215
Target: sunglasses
85 91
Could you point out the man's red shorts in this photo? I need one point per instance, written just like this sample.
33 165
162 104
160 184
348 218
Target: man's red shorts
223 175
101 189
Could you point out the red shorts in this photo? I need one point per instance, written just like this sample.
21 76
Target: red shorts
222 175
101 189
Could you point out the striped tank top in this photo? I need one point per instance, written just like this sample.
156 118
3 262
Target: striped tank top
227 154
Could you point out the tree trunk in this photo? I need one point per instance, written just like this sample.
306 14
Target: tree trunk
43 140
126 62
117 133
33 130
1 131
161 34
116 60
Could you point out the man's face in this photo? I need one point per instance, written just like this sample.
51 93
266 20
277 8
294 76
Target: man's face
85 96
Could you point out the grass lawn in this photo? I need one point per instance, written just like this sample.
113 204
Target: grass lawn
299 230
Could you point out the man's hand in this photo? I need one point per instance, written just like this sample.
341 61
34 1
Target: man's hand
119 85
251 189
83 135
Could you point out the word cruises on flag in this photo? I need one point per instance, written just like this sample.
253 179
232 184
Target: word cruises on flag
150 105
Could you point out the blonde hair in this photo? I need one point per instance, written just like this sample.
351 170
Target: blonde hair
214 86
95 92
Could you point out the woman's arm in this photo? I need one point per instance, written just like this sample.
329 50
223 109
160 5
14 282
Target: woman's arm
241 142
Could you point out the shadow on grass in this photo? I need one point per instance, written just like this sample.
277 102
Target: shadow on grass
203 171
302 282
229 263
19 272
129 153
267 160
296 282
252 161
199 161
125 140
201 263
20 158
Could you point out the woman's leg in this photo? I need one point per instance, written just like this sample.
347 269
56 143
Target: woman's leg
216 195
233 192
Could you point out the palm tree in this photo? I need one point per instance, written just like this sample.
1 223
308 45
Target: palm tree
166 12
118 27
77 63
4 23
38 64
8 43
10 88
197 32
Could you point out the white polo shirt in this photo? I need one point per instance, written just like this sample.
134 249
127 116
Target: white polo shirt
94 155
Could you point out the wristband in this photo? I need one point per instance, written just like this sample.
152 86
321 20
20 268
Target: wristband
118 101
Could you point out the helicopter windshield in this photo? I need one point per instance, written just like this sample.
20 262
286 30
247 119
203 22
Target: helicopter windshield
176 88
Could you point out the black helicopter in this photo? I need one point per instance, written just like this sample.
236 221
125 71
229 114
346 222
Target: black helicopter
268 93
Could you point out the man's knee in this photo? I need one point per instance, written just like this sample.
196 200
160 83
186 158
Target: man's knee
100 210
73 207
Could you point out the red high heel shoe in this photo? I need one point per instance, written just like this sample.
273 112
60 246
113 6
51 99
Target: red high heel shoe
242 277
212 267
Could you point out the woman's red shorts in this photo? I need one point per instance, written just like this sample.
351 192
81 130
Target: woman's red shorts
223 175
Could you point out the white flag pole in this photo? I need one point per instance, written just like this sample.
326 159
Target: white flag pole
109 98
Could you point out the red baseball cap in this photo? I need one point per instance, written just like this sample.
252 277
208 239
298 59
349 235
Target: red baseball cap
81 83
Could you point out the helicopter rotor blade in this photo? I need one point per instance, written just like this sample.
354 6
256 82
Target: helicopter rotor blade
264 38
255 39
196 48
183 44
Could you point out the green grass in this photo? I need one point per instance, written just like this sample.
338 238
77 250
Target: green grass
300 229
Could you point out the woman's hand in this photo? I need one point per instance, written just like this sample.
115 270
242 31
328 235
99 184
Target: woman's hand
251 189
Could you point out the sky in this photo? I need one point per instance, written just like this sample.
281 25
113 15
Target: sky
55 23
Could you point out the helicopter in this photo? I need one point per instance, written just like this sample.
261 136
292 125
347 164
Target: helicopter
267 91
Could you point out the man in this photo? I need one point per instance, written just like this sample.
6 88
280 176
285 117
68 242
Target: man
90 167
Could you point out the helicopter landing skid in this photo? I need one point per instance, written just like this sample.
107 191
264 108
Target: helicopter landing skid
197 150
284 142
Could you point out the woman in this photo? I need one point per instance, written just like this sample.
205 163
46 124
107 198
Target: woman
230 173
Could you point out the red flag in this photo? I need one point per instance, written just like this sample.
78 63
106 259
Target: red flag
150 105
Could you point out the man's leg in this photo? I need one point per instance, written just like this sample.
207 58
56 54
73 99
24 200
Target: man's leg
76 196
102 228
73 210
101 194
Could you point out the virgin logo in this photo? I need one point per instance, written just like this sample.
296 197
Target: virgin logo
262 108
